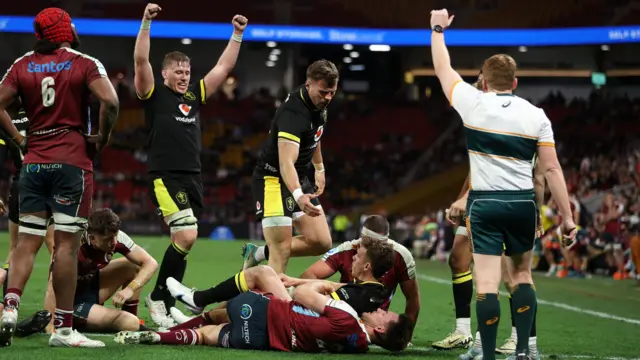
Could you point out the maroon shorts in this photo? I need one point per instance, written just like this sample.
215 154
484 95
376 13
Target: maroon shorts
63 188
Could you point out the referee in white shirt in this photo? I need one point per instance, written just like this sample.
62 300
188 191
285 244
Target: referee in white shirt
504 133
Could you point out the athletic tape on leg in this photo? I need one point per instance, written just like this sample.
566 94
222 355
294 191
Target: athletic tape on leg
70 224
276 221
31 224
182 220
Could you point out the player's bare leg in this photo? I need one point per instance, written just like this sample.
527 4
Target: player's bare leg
315 238
114 277
49 296
206 335
217 315
21 264
277 233
184 232
460 261
262 278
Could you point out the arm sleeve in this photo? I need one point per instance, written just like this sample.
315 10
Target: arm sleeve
290 125
126 240
546 132
464 98
200 91
94 70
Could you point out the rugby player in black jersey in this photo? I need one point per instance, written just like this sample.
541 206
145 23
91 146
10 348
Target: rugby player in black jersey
171 109
9 148
282 190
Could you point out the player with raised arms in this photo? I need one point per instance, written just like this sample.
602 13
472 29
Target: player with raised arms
504 134
54 83
272 320
172 110
403 272
282 189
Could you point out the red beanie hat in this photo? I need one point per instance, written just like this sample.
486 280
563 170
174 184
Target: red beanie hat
55 26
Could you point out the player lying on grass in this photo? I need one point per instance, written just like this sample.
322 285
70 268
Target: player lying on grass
403 272
364 294
101 279
313 322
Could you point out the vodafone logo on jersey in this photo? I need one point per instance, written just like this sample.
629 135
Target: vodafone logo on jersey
318 134
185 109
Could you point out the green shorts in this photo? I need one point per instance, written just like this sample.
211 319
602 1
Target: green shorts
502 221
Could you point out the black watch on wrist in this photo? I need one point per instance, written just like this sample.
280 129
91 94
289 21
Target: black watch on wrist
438 29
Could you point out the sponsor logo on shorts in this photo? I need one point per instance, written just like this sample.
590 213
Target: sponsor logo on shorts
246 311
62 200
289 202
181 197
33 168
189 95
257 205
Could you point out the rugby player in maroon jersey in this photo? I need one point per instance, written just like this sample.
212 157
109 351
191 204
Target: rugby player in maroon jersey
100 278
54 83
403 273
272 320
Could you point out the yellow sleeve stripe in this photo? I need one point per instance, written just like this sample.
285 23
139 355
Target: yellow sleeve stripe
203 92
2 142
546 144
241 282
146 97
451 92
335 296
286 135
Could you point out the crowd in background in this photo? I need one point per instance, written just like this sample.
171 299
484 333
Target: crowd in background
601 163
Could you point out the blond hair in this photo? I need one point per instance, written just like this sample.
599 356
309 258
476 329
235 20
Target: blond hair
499 72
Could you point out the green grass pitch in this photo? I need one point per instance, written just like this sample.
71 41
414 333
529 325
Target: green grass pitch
577 319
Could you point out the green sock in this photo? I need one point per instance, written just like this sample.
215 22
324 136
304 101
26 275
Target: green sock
524 305
488 315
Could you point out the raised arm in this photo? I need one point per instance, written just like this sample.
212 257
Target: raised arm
143 78
448 77
228 59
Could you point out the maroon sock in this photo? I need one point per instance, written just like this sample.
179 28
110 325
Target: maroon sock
131 307
195 323
179 337
63 319
12 299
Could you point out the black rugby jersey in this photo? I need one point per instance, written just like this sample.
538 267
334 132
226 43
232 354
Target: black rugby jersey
21 122
297 120
173 122
364 297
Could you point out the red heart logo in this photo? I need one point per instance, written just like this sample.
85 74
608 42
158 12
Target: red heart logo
185 109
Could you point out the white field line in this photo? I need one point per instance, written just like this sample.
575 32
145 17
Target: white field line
549 303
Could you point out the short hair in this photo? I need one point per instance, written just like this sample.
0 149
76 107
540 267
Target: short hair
103 222
175 57
377 224
499 71
381 255
323 70
397 335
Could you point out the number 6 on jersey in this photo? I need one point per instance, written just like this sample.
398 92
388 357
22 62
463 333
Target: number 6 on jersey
48 93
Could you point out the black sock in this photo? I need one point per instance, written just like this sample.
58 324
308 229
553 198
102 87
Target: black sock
5 285
533 326
513 318
224 291
488 315
462 294
266 252
524 303
173 265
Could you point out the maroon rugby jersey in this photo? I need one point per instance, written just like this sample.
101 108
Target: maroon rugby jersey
292 327
91 260
340 259
54 89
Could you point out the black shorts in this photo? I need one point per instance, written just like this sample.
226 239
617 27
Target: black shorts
273 199
87 295
247 329
172 192
14 200
63 188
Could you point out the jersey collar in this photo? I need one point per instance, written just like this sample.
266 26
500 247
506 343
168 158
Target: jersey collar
304 95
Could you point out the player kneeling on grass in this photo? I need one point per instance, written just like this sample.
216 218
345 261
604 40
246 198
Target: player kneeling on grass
101 279
313 322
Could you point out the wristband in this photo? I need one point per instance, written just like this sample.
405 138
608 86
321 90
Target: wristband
319 167
297 193
146 25
237 38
